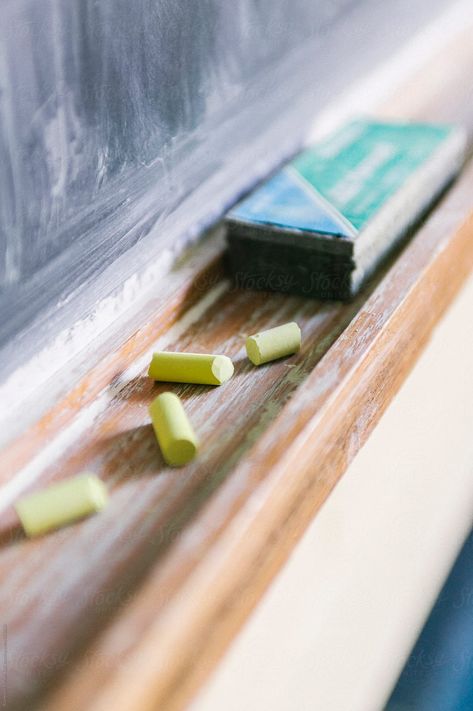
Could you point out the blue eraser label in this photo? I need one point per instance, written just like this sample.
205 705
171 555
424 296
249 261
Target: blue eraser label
337 186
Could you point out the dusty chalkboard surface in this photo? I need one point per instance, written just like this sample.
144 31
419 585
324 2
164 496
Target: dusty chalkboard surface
114 114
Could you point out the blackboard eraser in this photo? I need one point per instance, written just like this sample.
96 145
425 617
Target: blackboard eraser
322 224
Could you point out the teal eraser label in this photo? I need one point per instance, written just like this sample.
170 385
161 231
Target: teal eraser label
337 187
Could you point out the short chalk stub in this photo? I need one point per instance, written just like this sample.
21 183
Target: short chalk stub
61 504
274 343
176 438
195 368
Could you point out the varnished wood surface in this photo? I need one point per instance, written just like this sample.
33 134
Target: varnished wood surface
130 609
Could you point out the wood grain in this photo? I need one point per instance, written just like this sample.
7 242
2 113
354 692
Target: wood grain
131 609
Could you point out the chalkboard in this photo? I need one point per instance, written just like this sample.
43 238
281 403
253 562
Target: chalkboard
113 112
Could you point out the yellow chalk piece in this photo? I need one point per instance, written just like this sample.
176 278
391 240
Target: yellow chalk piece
62 503
173 430
274 343
190 368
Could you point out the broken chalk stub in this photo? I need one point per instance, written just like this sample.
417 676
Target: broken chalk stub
173 430
274 343
62 503
197 368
